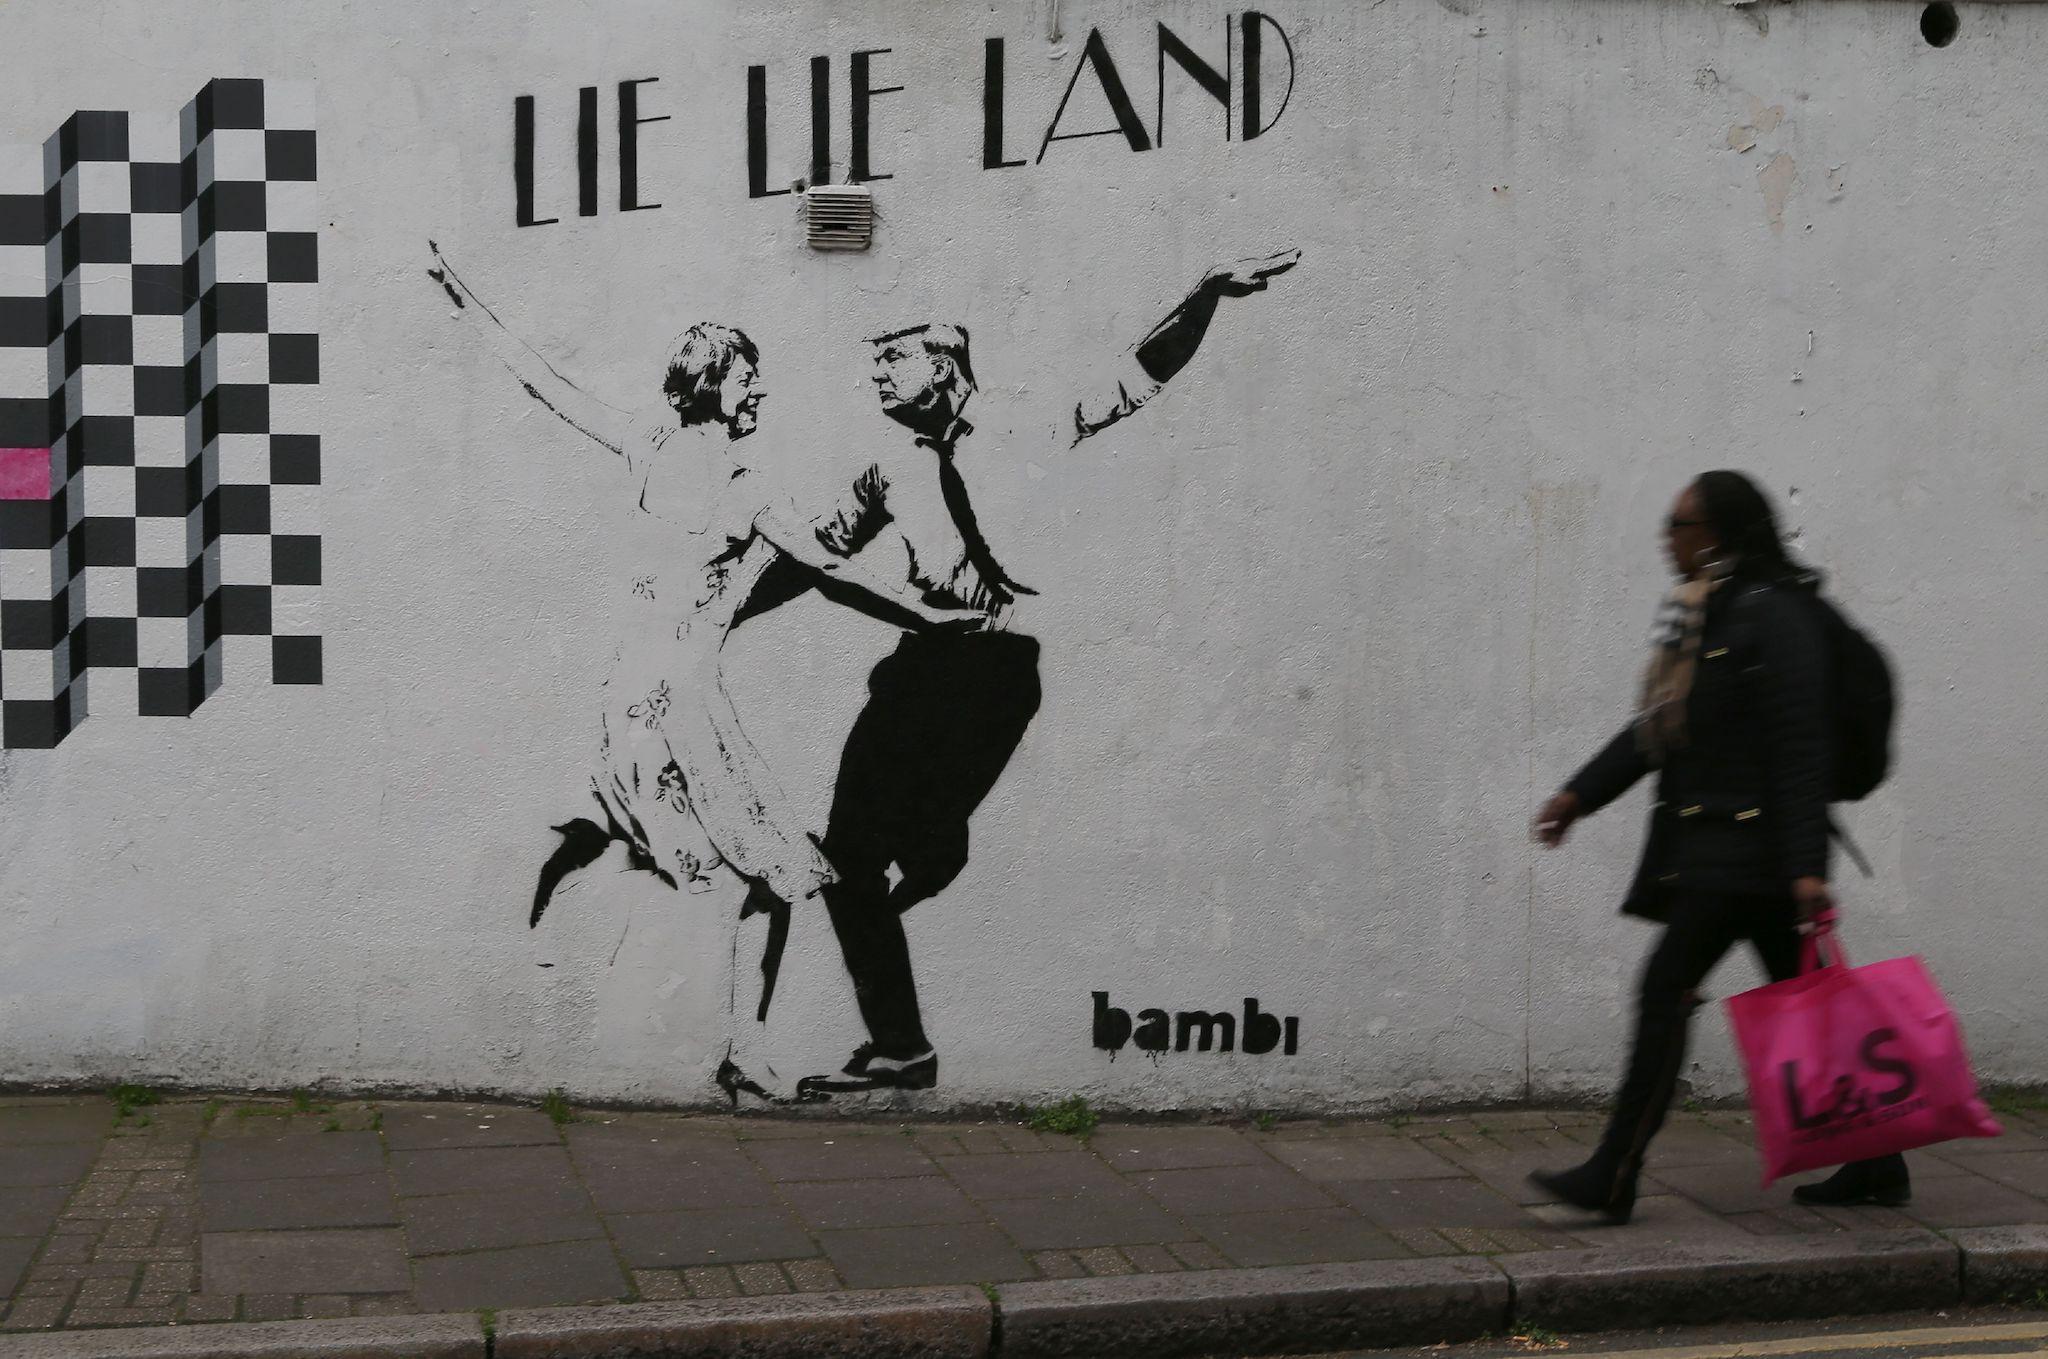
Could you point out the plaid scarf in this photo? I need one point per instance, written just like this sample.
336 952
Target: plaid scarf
1674 656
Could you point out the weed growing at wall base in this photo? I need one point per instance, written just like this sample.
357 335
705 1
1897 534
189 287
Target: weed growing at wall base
128 1098
1071 1117
1537 1338
556 1106
2016 1100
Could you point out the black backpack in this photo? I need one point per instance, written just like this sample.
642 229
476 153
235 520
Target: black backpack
1865 706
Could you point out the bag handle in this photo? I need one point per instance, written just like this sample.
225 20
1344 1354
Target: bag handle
1855 851
1819 947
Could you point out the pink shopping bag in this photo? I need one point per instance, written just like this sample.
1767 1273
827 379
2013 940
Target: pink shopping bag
1847 1062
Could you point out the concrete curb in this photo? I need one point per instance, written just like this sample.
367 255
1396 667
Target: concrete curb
1294 1309
455 1335
2002 1264
914 1323
1168 1316
1769 1279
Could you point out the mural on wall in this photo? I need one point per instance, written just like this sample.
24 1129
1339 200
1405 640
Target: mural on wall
678 790
677 782
1253 77
159 352
715 540
946 710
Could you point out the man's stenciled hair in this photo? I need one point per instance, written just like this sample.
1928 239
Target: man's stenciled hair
944 339
699 365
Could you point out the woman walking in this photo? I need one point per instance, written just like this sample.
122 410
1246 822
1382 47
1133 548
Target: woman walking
1734 721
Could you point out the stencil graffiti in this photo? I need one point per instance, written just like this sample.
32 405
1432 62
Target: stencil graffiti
159 454
1248 71
946 711
714 540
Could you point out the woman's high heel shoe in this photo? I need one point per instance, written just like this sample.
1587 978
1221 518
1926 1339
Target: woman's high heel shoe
736 1082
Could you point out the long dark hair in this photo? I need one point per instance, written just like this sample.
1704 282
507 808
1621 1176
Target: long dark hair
1742 518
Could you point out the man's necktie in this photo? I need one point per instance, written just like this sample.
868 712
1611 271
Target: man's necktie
1000 589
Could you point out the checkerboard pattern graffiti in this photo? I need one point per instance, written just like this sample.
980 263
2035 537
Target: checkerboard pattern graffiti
159 456
42 545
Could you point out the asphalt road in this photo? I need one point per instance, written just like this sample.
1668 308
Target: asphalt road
1958 1334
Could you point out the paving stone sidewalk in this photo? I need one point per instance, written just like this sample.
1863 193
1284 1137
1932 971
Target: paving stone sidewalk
223 1210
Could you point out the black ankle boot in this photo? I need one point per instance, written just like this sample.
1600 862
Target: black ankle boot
1882 1180
1604 1184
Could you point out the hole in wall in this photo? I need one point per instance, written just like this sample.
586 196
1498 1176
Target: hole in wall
1938 23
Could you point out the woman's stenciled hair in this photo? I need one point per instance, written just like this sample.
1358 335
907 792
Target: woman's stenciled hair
1747 525
698 366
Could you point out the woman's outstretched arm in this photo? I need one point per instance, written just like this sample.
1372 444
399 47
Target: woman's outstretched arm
901 604
596 420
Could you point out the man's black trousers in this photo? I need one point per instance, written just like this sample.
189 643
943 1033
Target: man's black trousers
945 712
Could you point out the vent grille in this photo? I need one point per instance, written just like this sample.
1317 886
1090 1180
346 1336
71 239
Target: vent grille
839 217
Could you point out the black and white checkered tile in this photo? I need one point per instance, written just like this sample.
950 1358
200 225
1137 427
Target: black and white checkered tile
179 547
259 361
37 675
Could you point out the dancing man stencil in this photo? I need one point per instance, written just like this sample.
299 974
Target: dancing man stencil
677 781
946 710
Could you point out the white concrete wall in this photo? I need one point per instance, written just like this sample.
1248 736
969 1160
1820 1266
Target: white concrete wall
1320 625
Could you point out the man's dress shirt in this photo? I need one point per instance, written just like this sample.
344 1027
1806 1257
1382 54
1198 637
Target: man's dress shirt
946 552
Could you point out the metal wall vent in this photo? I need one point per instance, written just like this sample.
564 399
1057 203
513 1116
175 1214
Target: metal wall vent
839 217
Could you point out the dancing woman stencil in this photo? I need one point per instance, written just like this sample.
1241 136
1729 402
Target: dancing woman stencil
677 780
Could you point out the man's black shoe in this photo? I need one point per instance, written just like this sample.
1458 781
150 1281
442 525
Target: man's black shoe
871 1070
1882 1180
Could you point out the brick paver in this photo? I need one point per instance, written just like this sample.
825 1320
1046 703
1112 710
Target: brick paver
193 1210
1304 1237
522 1276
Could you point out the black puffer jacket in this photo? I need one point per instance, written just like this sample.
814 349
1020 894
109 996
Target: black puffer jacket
1743 806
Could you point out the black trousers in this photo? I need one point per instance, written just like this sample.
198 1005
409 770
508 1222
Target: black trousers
1702 927
945 712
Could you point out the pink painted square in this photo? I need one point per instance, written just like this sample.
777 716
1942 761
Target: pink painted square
24 474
